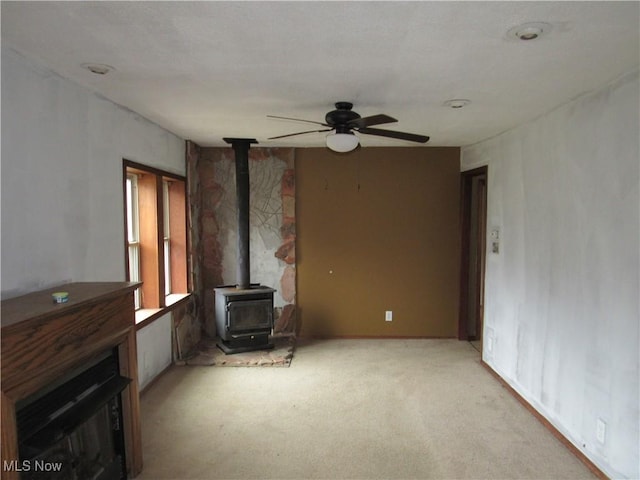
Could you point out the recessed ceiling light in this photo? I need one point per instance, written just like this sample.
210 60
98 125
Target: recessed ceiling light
457 103
529 31
98 68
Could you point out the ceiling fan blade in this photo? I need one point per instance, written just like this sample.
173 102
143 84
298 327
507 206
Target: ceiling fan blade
298 120
372 120
412 137
300 133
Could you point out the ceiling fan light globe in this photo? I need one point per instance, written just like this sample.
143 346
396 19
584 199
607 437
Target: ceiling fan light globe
342 142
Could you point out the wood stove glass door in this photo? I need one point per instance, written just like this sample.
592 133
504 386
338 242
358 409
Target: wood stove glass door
249 315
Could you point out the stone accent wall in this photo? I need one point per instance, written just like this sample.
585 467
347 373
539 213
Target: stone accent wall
194 228
211 178
187 330
286 315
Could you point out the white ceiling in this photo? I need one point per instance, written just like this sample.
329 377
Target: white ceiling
206 70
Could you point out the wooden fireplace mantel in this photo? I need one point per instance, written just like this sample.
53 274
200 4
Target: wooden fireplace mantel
42 340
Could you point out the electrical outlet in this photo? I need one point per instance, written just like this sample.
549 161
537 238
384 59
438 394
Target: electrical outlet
490 344
601 431
388 316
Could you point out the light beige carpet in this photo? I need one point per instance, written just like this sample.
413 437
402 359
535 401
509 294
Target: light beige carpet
348 409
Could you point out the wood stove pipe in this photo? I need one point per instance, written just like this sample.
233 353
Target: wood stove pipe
241 148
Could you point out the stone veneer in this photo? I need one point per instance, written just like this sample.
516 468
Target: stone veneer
213 229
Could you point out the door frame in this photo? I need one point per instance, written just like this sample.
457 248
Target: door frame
466 182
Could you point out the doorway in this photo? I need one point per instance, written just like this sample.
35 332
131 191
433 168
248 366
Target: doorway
474 229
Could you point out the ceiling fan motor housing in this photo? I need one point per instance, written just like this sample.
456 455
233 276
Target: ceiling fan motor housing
341 116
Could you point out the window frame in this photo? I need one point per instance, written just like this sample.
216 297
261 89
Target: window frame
158 203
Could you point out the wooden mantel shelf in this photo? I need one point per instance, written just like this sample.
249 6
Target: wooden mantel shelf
42 340
36 305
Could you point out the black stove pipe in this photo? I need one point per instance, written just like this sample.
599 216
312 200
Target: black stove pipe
241 148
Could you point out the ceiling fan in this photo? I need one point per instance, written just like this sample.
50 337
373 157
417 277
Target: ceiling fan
344 122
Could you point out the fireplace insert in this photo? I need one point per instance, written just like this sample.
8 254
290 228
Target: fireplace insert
72 430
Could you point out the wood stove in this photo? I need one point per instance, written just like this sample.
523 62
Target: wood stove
244 312
244 318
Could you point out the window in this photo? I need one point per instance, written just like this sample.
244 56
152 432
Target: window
133 237
156 234
166 237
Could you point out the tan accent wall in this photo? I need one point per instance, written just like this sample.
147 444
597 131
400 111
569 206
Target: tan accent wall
377 230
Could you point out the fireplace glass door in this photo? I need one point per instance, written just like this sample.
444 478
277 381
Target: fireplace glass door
74 431
90 452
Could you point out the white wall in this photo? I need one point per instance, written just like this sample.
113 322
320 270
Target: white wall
154 349
62 201
62 151
561 301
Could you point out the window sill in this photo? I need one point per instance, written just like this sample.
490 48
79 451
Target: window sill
145 316
175 299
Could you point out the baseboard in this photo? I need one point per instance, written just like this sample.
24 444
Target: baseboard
548 425
155 379
373 337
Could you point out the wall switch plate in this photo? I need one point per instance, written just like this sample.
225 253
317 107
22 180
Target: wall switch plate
495 240
388 316
490 344
601 431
